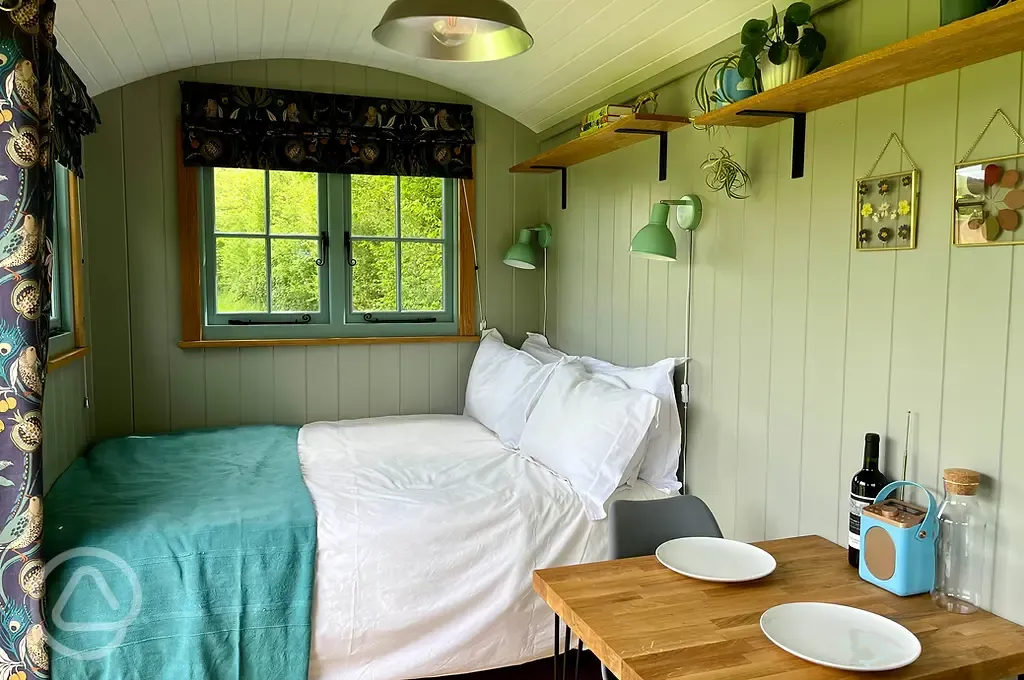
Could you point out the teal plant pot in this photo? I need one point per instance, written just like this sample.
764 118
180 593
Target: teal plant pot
732 87
955 10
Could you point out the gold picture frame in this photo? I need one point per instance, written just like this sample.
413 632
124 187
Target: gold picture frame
887 208
988 202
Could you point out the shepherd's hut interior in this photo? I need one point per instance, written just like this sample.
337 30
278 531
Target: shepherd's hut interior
507 339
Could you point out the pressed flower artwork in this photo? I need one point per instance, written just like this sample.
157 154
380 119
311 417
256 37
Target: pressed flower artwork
989 204
887 212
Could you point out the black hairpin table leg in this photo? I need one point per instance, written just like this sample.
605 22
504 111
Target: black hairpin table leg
579 653
565 655
558 626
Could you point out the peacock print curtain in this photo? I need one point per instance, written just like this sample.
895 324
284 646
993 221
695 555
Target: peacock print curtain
26 199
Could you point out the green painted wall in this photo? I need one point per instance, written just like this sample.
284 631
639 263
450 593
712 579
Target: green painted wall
147 384
799 344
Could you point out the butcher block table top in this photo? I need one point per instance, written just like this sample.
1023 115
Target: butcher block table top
648 623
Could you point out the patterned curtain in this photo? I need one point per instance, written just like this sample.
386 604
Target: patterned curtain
74 115
26 198
252 127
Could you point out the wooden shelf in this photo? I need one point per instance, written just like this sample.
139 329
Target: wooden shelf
622 133
969 41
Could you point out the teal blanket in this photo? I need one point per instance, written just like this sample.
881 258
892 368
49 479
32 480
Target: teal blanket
184 556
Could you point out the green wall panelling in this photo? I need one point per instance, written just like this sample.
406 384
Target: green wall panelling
799 344
150 385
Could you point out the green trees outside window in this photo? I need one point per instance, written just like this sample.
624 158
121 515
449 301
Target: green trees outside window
277 248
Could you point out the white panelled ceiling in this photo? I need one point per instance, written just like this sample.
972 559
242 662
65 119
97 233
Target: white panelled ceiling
586 50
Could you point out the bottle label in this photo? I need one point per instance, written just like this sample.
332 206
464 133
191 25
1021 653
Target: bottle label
857 505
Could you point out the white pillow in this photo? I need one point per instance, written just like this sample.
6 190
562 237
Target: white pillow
536 345
661 462
504 386
589 429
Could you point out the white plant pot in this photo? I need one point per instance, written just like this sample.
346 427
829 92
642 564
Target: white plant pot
773 75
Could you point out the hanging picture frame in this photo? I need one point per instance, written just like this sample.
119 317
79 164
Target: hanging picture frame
886 214
988 196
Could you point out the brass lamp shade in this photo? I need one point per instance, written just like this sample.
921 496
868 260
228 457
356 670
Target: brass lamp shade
453 30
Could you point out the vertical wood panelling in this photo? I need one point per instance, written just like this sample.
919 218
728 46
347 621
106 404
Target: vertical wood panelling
354 381
131 197
825 353
800 345
385 380
144 213
757 237
977 327
106 242
322 386
788 338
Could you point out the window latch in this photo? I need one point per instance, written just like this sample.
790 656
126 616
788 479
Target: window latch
348 249
325 243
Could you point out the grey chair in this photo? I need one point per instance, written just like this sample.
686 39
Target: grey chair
639 527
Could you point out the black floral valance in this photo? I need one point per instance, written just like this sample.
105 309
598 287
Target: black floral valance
254 127
74 114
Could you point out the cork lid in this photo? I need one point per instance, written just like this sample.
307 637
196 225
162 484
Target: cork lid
961 481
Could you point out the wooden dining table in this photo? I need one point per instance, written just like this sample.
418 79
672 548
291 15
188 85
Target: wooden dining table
645 622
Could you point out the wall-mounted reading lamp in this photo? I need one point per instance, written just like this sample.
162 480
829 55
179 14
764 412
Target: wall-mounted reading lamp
656 241
522 255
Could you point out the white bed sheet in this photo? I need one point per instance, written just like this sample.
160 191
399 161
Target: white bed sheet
428 533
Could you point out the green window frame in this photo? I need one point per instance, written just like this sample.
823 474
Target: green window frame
62 315
337 316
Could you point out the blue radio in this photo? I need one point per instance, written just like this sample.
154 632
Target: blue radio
897 543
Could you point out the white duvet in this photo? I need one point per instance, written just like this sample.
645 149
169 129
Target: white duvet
428 532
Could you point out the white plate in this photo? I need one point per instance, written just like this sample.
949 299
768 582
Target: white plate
715 559
840 637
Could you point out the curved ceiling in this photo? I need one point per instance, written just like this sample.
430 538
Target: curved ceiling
586 50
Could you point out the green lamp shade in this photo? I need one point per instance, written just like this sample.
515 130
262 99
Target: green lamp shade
521 254
655 241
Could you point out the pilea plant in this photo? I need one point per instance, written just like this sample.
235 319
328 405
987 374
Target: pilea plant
792 30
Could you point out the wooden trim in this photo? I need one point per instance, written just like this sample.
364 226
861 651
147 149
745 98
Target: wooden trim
188 247
77 262
279 342
467 258
66 358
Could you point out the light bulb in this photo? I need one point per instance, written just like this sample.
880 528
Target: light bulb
454 31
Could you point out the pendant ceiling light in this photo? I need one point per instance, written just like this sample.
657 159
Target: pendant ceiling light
453 30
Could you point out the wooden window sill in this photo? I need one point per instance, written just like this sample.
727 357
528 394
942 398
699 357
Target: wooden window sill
284 342
66 358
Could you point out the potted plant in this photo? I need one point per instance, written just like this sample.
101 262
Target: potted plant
792 45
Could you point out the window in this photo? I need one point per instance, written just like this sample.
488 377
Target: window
62 311
301 255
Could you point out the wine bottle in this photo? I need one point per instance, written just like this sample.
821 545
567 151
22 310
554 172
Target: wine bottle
865 487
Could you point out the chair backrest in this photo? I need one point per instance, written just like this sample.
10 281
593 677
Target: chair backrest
639 527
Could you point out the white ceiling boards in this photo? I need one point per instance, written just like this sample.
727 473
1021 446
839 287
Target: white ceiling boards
586 50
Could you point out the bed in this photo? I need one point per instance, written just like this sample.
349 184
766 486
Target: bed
423 531
429 531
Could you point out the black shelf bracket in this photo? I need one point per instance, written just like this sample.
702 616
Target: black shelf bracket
565 182
662 151
799 134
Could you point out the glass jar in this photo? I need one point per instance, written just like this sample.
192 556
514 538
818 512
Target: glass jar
960 546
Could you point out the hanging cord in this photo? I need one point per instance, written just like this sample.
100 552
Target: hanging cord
903 149
686 366
999 112
544 325
476 264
